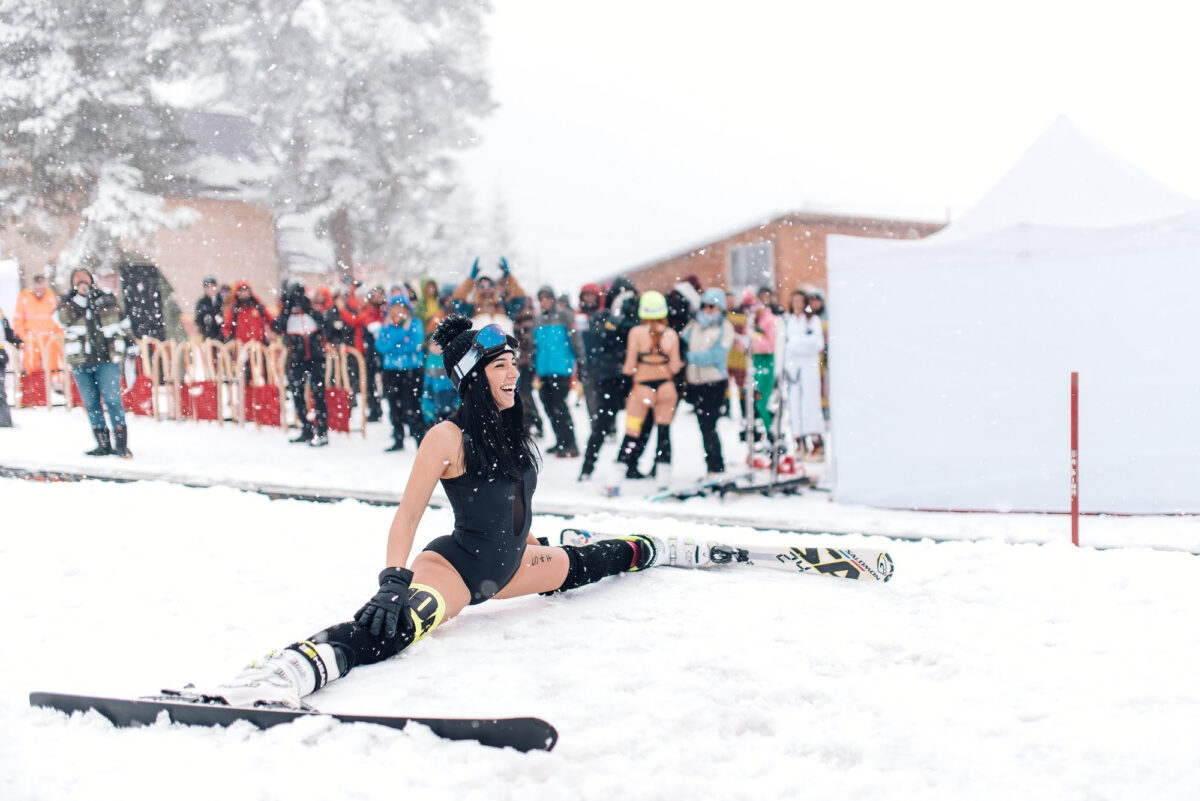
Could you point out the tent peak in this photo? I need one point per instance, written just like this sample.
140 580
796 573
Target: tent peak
1067 179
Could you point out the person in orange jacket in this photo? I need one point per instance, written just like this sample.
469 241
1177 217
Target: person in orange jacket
33 321
247 319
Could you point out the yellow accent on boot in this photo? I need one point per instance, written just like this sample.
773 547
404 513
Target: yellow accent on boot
649 549
633 425
427 608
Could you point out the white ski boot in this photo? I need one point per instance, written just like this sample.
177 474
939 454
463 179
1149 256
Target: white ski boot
279 680
649 550
687 552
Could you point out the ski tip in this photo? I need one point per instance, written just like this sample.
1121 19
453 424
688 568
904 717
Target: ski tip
549 738
885 566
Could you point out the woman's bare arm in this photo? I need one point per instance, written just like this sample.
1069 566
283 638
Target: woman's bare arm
440 455
671 346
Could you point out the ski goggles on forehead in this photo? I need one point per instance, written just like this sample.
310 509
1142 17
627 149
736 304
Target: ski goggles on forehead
489 341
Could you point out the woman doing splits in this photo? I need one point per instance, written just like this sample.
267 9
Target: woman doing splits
488 466
652 359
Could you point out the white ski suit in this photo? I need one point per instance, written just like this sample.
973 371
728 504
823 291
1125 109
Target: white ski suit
802 370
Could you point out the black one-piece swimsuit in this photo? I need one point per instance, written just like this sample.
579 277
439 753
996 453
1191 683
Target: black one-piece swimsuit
491 524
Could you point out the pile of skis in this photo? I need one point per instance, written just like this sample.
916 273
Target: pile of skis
749 482
770 469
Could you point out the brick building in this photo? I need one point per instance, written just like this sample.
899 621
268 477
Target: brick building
784 253
220 176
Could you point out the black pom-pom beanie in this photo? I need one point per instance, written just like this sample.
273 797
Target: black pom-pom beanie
455 335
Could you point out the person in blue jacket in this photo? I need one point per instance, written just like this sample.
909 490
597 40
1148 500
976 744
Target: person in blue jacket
399 344
709 336
556 349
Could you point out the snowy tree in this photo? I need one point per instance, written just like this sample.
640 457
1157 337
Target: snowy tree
455 240
84 134
500 236
363 101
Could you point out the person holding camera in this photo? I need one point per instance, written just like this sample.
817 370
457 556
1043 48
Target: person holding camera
97 333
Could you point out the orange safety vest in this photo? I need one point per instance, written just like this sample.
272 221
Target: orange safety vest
33 321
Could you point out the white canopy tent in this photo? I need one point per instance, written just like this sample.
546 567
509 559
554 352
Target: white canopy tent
950 357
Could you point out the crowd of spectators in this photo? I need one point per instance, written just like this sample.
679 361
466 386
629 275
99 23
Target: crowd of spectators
618 349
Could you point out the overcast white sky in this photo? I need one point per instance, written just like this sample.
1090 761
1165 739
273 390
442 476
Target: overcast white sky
632 129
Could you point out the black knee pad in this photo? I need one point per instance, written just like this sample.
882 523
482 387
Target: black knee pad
355 645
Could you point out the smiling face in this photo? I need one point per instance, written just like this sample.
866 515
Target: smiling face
502 375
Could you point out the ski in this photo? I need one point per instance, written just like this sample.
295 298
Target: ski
522 734
785 486
860 564
739 484
700 489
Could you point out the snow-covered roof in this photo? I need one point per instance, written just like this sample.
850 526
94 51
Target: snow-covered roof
1067 180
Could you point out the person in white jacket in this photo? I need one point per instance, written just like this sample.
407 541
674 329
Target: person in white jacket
802 371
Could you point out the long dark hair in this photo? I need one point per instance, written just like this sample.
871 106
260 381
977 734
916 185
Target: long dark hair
496 444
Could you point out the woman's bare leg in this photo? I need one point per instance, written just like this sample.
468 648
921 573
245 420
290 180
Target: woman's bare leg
433 570
543 569
637 408
665 400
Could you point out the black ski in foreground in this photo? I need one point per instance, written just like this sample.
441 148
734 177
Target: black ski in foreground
523 734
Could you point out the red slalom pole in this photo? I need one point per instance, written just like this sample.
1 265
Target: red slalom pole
1074 458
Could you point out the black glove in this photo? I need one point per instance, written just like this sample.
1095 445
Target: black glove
381 614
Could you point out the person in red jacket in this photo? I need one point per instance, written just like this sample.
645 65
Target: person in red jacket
363 322
247 320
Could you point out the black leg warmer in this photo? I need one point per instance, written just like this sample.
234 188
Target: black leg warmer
663 454
593 562
354 645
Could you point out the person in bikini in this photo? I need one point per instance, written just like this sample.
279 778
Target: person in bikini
651 360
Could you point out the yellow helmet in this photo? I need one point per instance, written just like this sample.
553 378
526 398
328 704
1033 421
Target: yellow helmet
652 306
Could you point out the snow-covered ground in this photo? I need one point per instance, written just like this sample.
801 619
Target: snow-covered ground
1010 666
982 670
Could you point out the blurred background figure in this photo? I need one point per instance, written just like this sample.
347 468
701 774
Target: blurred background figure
604 345
209 313
96 332
651 361
33 321
303 332
7 337
399 343
556 351
803 344
589 304
709 337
